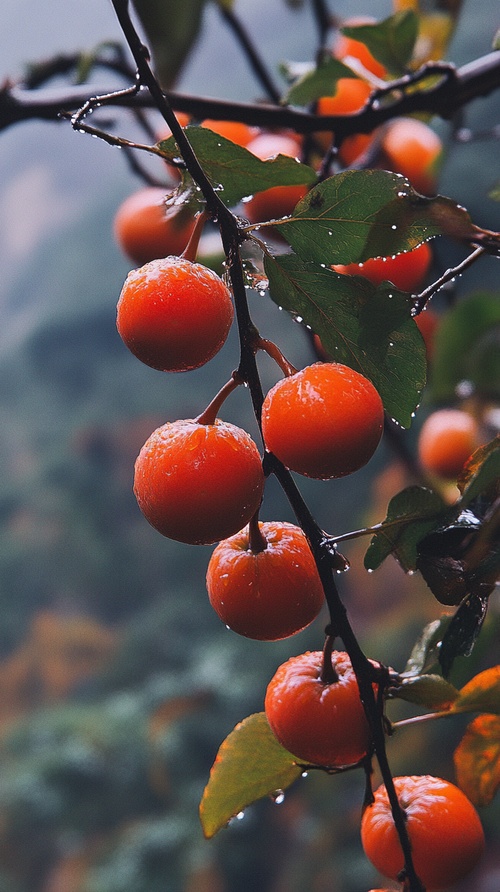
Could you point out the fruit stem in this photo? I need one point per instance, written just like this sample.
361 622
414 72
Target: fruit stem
191 249
209 415
328 673
257 542
275 353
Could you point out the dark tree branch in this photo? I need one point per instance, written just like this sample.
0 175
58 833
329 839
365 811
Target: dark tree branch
454 89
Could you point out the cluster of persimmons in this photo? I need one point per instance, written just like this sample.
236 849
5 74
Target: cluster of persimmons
201 480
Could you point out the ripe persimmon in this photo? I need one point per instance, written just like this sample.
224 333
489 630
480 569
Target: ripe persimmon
412 148
173 314
198 483
406 271
324 421
237 131
427 322
445 832
319 722
447 439
278 201
147 227
345 48
350 96
267 589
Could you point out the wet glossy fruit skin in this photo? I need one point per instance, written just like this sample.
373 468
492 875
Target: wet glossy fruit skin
173 314
447 439
324 421
406 271
412 148
445 832
350 96
322 724
146 227
198 483
279 201
266 595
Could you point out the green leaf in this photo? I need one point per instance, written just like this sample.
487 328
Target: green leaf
359 214
481 693
391 42
467 347
250 764
423 654
411 514
171 30
317 82
369 329
235 172
431 691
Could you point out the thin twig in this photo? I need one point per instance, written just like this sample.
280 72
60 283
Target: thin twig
256 63
447 276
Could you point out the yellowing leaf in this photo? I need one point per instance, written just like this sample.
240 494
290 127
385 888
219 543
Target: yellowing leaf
477 759
481 693
431 691
250 764
438 19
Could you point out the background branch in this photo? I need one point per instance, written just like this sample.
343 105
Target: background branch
455 89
